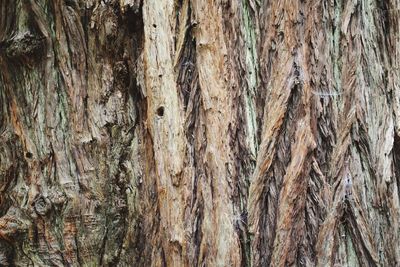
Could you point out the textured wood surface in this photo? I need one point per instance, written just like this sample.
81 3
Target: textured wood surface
199 133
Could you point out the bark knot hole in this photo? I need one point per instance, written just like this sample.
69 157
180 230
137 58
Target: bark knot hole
42 205
160 111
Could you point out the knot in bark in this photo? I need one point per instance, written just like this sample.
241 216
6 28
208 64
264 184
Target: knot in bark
42 205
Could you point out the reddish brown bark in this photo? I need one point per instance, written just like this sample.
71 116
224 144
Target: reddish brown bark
199 133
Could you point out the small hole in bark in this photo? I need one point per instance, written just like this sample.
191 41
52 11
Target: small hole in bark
154 26
160 111
28 155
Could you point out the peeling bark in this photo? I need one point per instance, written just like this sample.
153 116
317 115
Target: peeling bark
199 133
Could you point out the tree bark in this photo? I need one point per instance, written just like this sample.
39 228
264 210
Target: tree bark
199 133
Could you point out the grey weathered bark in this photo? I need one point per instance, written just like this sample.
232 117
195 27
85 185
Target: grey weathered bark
199 133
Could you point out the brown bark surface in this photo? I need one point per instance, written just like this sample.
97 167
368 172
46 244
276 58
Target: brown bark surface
199 133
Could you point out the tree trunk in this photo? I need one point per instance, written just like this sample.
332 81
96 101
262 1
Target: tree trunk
199 133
